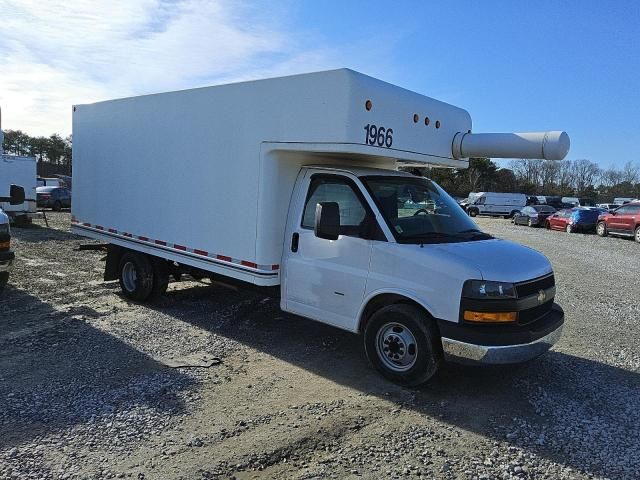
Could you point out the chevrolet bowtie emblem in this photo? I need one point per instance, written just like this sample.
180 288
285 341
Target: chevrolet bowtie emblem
542 296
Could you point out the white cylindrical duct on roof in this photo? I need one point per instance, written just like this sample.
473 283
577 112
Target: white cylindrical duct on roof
540 145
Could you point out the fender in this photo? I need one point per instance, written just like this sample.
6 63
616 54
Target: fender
391 291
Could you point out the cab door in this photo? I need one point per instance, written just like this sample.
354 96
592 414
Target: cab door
326 279
618 222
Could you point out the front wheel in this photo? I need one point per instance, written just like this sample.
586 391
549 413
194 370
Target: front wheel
530 223
4 279
57 206
637 234
601 229
569 228
402 343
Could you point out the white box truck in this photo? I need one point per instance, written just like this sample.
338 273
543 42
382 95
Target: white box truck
292 184
19 171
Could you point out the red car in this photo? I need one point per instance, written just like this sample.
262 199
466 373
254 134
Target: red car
573 220
624 220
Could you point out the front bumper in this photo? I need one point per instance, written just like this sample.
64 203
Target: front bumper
515 346
6 261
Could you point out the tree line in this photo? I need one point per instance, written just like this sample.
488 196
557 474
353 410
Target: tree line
569 178
53 153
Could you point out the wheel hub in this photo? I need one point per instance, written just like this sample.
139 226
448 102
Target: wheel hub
396 347
129 276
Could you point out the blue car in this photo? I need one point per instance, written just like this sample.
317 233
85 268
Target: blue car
571 220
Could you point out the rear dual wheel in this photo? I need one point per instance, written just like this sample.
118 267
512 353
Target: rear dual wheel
142 276
403 344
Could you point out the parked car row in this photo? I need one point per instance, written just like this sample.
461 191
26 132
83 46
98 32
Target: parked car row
623 220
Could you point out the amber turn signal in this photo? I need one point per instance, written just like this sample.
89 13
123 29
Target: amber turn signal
490 317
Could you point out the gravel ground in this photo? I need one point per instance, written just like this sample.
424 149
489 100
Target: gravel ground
91 385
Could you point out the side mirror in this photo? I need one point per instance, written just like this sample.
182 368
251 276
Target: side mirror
16 195
327 223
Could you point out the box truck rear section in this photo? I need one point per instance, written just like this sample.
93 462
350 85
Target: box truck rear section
291 184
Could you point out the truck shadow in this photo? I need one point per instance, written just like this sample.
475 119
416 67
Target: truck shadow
574 411
36 232
58 372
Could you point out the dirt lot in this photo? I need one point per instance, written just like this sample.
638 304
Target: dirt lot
91 387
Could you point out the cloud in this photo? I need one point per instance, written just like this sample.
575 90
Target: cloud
58 53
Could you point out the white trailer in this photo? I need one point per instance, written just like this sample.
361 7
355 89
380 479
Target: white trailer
292 183
19 171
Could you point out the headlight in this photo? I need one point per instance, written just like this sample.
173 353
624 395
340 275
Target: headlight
482 289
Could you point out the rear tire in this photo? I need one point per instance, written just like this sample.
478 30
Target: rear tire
636 235
57 206
403 344
601 229
473 212
160 277
569 229
136 276
4 279
530 223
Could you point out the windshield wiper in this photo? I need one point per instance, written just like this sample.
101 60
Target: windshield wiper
475 233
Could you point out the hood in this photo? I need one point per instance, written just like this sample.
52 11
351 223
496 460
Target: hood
498 260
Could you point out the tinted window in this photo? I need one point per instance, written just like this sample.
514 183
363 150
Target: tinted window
323 189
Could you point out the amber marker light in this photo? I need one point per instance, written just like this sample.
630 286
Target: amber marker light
490 317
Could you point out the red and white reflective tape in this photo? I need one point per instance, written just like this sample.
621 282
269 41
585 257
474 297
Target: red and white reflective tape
181 248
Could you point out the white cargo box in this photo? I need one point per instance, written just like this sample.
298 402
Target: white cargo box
205 176
19 171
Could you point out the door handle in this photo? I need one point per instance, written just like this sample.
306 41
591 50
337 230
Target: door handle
295 240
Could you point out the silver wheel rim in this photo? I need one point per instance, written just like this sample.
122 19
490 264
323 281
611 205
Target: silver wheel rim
129 276
638 234
601 229
396 347
568 228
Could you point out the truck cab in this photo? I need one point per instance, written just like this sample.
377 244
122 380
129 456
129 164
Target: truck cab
384 253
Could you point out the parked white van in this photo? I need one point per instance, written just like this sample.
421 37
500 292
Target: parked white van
326 221
497 204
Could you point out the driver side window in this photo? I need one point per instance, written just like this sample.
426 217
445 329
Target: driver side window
353 213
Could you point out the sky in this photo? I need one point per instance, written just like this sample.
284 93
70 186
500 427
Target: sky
514 65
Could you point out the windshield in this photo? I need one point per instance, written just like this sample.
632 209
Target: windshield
417 210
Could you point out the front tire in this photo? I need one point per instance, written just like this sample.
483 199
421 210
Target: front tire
569 229
402 343
530 223
473 212
601 229
136 276
637 234
57 206
4 279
